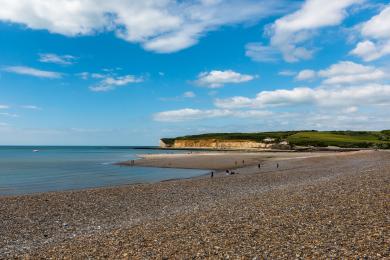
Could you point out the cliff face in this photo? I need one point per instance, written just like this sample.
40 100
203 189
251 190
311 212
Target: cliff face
218 144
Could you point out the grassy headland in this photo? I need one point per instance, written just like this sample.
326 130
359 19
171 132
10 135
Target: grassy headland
344 139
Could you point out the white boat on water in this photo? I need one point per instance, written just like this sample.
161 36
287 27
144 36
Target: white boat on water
35 151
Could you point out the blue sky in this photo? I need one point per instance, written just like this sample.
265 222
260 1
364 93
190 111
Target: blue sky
90 72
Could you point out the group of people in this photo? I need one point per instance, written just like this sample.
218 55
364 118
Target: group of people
228 172
236 163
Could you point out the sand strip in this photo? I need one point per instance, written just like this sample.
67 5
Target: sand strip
222 160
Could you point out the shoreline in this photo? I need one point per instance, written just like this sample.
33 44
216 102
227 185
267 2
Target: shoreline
254 213
223 160
164 160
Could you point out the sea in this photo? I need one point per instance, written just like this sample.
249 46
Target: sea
35 169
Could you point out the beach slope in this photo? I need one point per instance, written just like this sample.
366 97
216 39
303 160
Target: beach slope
318 207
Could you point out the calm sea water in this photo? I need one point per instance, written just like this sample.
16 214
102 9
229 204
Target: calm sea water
23 171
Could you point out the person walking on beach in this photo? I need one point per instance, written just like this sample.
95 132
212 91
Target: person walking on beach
212 174
243 162
277 165
259 165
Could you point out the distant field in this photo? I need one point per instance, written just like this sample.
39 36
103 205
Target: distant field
341 139
345 139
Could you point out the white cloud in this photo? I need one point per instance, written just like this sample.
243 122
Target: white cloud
109 80
31 107
57 59
346 88
234 102
4 107
287 73
258 52
290 33
347 72
8 114
33 72
189 114
97 76
83 75
340 120
306 75
112 82
217 78
370 51
189 94
184 96
159 25
352 109
376 31
371 94
378 26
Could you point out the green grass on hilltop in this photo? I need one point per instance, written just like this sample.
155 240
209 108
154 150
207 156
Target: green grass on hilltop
346 139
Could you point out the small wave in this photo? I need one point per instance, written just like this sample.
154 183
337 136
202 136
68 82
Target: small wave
106 163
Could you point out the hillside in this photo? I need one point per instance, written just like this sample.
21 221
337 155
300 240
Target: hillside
344 139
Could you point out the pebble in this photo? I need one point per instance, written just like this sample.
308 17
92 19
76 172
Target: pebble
312 209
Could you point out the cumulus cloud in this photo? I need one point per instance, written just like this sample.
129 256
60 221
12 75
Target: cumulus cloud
113 82
159 25
109 79
261 53
264 120
376 32
371 94
57 59
23 70
217 78
188 114
290 33
349 96
370 51
234 102
346 88
340 120
347 72
306 75
378 26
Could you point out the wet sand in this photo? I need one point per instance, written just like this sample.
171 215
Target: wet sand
219 160
320 207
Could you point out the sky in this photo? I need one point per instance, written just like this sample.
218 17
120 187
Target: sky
124 72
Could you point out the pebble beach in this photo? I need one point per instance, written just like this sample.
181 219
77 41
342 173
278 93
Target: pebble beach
318 207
